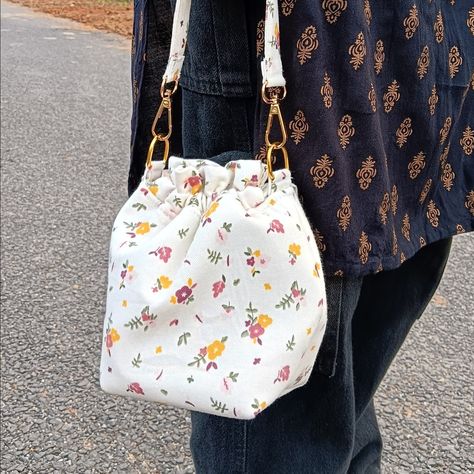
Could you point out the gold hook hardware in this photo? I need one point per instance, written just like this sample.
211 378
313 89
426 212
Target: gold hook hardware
165 105
269 159
272 98
275 111
151 149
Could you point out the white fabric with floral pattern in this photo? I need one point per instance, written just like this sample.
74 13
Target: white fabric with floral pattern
216 299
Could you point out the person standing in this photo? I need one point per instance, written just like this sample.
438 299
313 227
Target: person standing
380 117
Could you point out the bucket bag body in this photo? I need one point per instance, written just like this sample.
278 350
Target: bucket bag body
216 299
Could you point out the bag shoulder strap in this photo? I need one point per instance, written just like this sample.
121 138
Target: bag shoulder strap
271 65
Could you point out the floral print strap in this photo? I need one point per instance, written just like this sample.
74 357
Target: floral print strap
272 70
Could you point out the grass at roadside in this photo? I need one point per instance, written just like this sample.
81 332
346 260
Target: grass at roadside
111 15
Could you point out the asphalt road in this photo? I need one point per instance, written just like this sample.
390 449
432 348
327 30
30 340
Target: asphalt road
65 140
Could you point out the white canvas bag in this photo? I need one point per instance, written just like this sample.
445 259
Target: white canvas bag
216 299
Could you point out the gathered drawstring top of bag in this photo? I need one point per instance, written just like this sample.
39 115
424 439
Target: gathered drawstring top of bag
273 83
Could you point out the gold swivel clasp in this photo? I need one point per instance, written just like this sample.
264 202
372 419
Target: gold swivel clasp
273 99
165 105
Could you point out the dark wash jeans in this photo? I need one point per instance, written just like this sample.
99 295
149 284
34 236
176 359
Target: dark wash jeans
329 425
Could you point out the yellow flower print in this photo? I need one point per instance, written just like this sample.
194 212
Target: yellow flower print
212 208
143 228
308 331
165 281
272 202
264 320
316 270
153 189
124 303
267 286
173 299
256 253
115 336
190 282
294 249
130 268
263 405
215 349
158 350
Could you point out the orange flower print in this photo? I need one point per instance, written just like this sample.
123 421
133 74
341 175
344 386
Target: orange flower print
162 282
212 208
194 182
143 228
255 325
295 251
215 349
208 354
138 228
264 320
112 336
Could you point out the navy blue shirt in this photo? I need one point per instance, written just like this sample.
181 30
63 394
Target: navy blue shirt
380 111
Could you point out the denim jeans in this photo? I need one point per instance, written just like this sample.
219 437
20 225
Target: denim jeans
328 426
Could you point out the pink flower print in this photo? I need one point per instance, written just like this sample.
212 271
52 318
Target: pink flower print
135 387
255 331
164 253
228 308
203 351
251 261
223 232
283 374
263 262
295 292
255 324
195 183
257 361
218 287
183 294
108 341
276 226
123 274
253 180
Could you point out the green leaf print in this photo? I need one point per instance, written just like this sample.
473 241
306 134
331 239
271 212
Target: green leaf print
136 362
290 345
183 339
218 406
233 376
134 323
214 256
139 206
183 232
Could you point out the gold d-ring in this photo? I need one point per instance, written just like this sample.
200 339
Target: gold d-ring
270 150
151 149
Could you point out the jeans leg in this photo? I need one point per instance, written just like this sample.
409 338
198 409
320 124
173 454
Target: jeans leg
310 430
390 302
